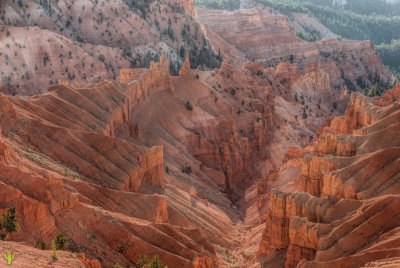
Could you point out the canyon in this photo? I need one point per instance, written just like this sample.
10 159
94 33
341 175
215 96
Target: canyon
271 159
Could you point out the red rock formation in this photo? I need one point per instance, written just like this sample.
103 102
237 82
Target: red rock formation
336 145
101 158
232 33
188 5
204 262
254 67
354 221
287 73
85 42
75 162
357 114
88 263
129 167
185 67
283 227
316 81
391 96
312 172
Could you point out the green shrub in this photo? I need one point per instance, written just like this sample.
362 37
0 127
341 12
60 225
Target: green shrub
40 244
9 223
189 106
142 260
186 170
156 263
61 241
54 248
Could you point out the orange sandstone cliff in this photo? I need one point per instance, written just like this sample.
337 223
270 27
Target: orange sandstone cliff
342 208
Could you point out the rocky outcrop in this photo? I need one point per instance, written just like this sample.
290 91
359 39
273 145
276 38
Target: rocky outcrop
88 263
98 114
237 28
351 184
185 67
204 262
151 170
312 173
36 219
340 145
188 5
7 110
287 73
303 236
145 166
310 229
358 114
391 96
4 151
221 147
291 222
316 81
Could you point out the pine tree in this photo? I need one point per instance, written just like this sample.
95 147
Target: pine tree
142 260
156 262
9 223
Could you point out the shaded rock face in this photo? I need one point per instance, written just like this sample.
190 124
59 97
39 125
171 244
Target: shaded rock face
344 213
